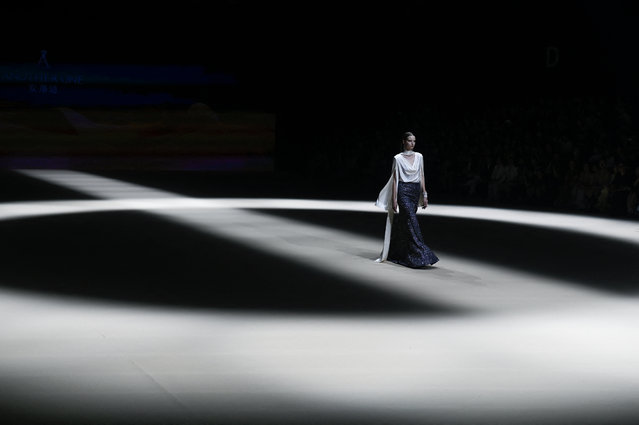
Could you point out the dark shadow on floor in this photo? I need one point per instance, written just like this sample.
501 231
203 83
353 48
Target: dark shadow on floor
211 184
597 262
136 257
16 187
287 408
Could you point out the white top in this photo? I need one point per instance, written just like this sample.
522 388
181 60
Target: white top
409 172
406 172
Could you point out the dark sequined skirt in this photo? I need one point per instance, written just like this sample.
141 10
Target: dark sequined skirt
407 245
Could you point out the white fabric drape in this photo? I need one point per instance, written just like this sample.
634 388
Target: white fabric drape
409 172
403 171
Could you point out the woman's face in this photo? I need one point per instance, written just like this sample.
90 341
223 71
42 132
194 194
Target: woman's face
409 143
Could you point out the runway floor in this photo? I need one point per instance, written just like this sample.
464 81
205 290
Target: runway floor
132 300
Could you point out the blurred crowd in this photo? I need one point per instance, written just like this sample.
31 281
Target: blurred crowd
578 154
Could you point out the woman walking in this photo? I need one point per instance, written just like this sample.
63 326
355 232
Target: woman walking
402 195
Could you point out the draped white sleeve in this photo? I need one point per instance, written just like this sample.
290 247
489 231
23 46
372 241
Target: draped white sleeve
385 201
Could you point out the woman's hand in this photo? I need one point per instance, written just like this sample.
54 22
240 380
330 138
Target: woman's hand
425 202
395 206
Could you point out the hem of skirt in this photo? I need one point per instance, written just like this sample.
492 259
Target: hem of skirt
412 266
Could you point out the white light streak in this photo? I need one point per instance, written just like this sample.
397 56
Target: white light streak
135 197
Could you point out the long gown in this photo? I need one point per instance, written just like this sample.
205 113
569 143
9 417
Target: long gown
403 239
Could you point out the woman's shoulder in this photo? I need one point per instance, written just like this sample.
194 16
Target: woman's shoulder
400 155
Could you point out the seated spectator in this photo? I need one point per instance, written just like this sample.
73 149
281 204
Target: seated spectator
583 189
619 190
497 179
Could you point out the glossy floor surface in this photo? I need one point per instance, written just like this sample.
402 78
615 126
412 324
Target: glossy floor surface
131 301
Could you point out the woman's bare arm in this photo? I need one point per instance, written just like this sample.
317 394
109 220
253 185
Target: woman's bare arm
423 183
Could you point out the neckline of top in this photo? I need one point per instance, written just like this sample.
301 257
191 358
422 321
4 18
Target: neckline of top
410 161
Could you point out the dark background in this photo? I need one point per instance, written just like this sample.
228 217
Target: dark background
346 79
349 56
